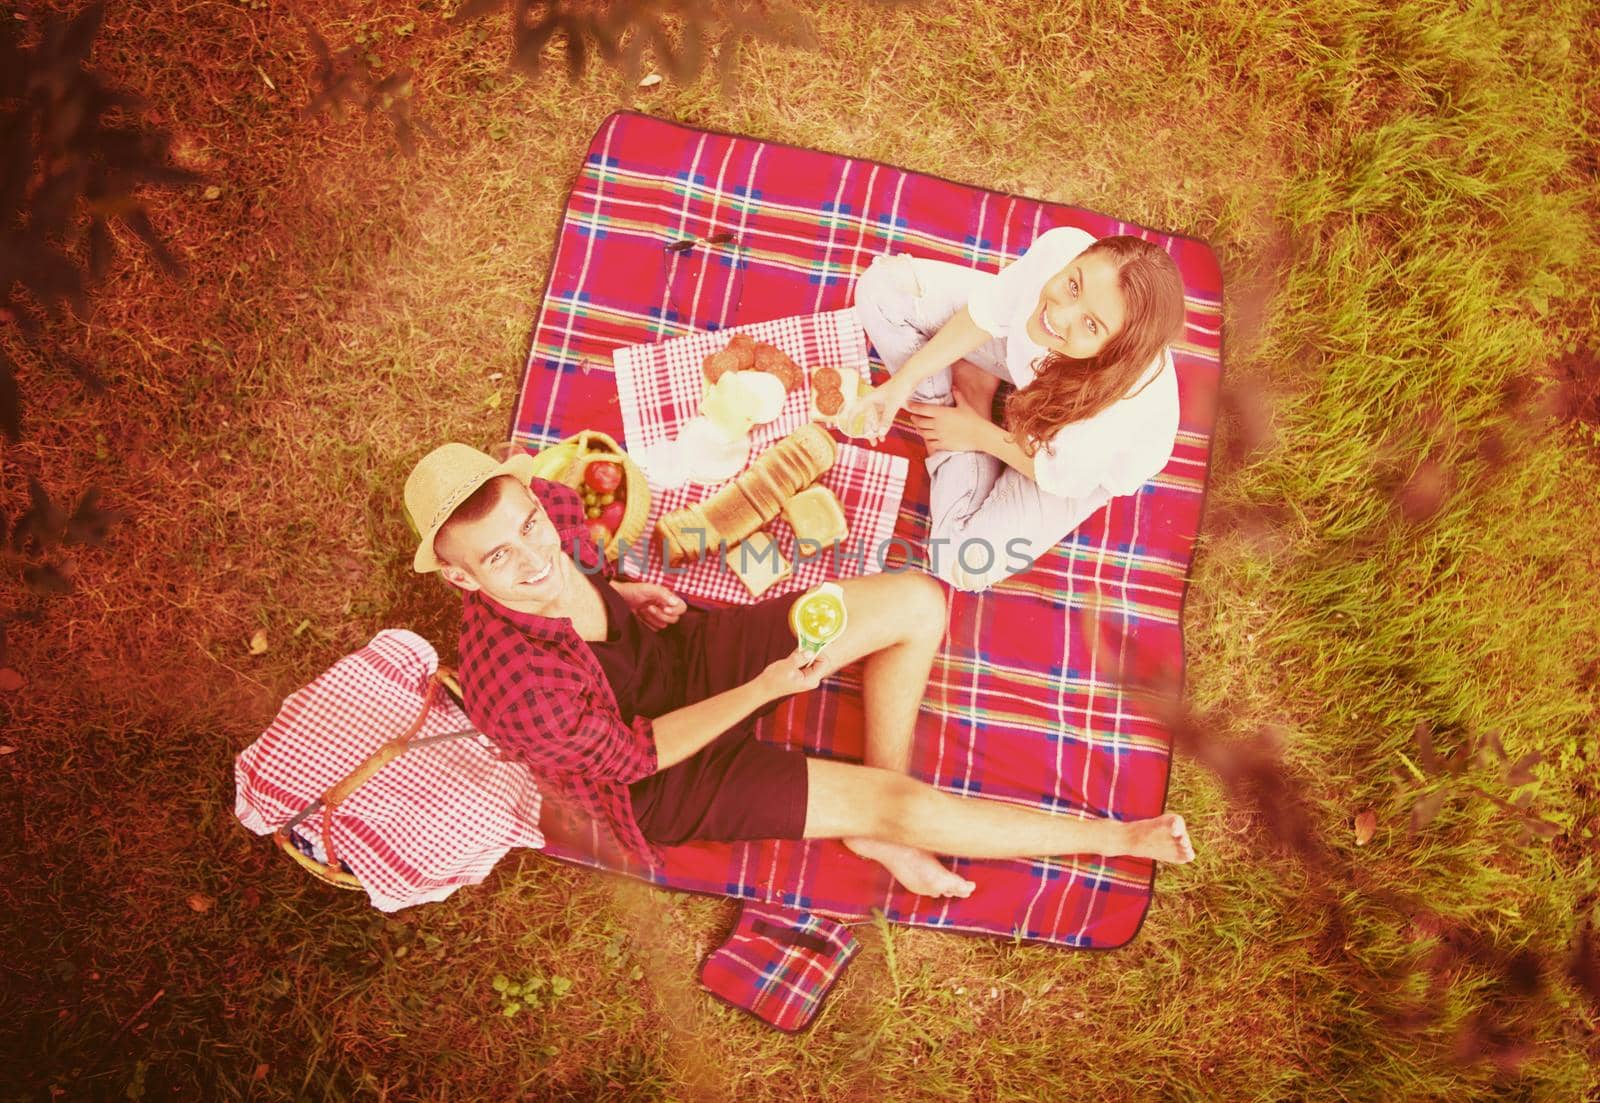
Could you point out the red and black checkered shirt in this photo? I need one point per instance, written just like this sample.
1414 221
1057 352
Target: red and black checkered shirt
532 685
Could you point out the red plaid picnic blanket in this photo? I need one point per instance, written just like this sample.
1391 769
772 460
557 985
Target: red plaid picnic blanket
1021 705
659 388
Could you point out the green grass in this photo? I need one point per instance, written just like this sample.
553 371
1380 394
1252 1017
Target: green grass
1404 201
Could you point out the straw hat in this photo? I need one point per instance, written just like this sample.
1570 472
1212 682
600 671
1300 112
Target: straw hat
441 481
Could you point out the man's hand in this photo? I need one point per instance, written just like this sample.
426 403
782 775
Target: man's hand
653 604
796 672
950 428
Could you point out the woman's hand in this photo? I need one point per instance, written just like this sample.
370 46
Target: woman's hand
796 672
882 403
950 428
653 604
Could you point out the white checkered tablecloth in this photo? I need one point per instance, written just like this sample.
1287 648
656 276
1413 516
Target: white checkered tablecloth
659 389
436 818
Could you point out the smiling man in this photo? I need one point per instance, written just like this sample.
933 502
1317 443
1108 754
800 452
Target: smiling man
639 710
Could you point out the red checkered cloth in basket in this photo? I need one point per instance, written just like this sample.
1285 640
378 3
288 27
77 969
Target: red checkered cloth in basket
436 818
659 388
1021 705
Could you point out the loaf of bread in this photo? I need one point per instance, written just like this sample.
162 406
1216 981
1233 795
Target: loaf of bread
752 499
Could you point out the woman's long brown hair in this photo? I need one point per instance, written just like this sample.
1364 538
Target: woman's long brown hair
1066 389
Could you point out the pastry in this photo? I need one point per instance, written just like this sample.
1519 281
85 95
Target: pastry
758 563
755 497
815 516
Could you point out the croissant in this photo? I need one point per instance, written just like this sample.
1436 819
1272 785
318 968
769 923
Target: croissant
752 499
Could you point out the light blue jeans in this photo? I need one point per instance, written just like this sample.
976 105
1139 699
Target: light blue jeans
987 521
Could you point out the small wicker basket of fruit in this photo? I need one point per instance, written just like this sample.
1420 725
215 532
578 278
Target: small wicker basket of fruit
616 498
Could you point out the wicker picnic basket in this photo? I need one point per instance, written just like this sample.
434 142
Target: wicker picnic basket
332 871
567 460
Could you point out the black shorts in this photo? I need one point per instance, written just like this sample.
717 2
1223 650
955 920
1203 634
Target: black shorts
736 787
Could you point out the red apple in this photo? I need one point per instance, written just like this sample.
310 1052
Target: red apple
603 478
611 516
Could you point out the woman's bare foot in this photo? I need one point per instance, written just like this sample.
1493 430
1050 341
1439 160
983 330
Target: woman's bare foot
915 870
972 387
1164 838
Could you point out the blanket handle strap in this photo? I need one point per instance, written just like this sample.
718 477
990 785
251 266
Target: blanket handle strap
378 759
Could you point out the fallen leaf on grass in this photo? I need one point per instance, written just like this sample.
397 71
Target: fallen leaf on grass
213 192
6 748
200 902
11 680
261 1071
1366 826
1522 772
258 642
1423 734
1423 811
650 81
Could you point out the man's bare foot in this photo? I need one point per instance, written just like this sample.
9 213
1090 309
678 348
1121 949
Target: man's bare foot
916 870
1164 838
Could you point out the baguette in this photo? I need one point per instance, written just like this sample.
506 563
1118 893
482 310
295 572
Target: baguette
751 500
732 516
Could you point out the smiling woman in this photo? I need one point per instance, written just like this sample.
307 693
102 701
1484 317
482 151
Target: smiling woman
1103 319
1080 327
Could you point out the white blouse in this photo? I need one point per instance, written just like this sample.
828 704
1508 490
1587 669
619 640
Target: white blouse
1117 450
